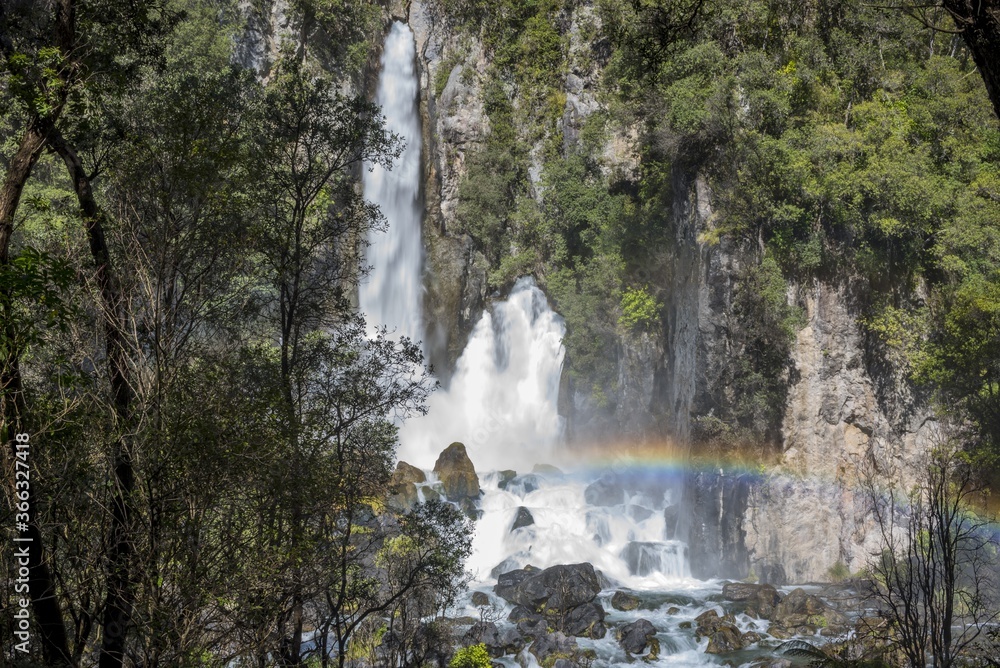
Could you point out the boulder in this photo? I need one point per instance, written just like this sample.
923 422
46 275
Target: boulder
512 640
722 632
584 621
553 591
480 599
487 634
524 518
504 478
740 591
760 599
403 486
605 491
624 602
457 474
802 609
726 638
636 637
550 647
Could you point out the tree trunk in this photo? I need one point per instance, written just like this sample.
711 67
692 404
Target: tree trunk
979 23
41 586
120 594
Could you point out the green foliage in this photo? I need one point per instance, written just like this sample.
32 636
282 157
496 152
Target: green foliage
639 309
475 656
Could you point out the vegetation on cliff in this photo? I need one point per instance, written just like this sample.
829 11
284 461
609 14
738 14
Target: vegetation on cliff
842 142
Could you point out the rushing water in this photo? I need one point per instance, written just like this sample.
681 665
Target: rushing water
502 401
393 294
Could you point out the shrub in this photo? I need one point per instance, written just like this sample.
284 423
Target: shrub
475 656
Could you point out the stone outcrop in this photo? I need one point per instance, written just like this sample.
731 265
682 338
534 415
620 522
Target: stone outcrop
457 474
560 596
403 486
554 590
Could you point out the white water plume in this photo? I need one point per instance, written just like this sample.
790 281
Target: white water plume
503 399
393 294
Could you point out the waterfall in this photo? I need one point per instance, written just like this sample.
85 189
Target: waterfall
393 294
502 401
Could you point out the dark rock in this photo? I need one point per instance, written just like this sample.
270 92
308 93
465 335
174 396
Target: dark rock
605 491
673 610
634 638
585 621
533 627
430 494
520 613
760 599
554 591
739 591
715 536
671 516
523 518
750 637
457 474
512 640
624 602
480 598
726 638
565 663
505 477
487 634
523 484
553 646
685 625
639 514
403 486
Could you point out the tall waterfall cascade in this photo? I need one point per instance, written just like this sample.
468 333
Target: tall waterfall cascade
503 399
393 294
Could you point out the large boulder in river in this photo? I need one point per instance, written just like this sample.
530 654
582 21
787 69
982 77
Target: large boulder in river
760 599
457 474
625 602
553 591
636 637
403 486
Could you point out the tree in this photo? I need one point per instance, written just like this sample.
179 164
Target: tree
935 578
